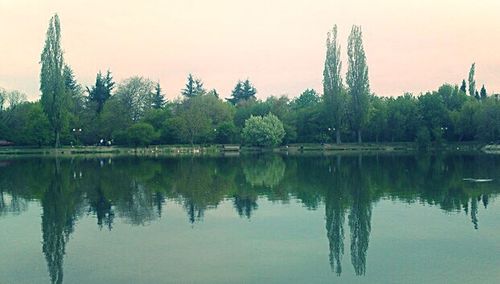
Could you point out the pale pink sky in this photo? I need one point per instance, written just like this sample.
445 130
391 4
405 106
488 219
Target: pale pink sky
279 45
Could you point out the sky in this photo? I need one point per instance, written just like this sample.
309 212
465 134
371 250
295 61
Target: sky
279 45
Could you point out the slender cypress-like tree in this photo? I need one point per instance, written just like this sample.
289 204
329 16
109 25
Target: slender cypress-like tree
472 81
483 93
334 96
463 87
52 83
357 80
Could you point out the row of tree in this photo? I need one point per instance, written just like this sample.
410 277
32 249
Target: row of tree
135 111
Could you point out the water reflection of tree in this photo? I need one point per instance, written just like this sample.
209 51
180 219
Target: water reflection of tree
136 190
335 209
360 215
60 204
265 171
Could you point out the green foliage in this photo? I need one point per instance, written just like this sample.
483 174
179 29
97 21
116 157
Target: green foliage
194 87
357 80
268 171
489 120
52 84
264 131
433 114
308 98
136 95
377 122
402 118
248 108
472 81
140 134
198 119
101 91
243 91
483 93
202 117
158 100
423 138
226 133
25 124
463 87
335 98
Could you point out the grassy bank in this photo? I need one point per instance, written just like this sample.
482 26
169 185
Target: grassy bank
236 149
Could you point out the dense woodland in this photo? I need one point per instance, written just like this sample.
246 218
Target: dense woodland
135 112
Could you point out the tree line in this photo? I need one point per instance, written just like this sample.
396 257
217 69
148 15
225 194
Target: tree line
135 111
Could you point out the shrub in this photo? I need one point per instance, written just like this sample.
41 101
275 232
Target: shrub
140 134
264 131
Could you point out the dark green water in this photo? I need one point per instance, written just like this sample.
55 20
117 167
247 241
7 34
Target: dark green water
250 219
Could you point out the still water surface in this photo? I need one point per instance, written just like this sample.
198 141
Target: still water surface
247 219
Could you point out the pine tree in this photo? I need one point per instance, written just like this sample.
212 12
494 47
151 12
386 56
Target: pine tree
242 91
334 98
101 91
158 99
52 84
357 80
194 87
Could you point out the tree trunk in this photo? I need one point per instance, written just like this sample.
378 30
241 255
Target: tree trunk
58 142
337 134
359 136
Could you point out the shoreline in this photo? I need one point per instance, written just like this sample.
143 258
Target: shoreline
235 150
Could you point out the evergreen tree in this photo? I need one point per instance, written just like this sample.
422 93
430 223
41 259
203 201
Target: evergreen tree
483 93
158 99
463 87
334 97
194 87
472 81
357 80
236 94
242 91
52 83
101 91
70 82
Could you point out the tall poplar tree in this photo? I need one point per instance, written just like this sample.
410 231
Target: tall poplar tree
334 96
357 80
52 84
472 81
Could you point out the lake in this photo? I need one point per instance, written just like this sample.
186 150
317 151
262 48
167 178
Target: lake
308 218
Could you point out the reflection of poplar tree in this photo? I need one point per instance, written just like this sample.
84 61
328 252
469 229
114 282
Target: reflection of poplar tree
335 216
58 219
359 220
473 212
